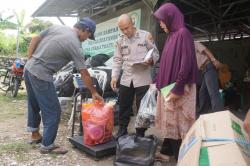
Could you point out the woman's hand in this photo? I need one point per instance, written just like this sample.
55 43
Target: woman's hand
173 97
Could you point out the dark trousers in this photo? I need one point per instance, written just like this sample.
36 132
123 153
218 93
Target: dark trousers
126 98
43 104
171 147
209 95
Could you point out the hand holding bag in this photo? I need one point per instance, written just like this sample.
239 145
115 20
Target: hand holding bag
147 111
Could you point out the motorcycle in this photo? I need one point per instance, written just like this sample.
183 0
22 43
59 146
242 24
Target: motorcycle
16 76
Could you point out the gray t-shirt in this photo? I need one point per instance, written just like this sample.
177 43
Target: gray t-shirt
59 45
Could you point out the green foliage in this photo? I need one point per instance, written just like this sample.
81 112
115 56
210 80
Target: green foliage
7 44
37 25
24 44
5 23
14 147
20 21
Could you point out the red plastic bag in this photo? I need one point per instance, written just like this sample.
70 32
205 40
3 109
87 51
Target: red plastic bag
98 122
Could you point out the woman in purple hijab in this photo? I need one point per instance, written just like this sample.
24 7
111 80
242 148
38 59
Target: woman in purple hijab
175 111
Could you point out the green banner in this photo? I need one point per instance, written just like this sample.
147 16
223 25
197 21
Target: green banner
106 34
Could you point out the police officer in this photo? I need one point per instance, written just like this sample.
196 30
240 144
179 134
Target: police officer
131 47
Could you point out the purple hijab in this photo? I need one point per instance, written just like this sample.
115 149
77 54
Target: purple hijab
178 62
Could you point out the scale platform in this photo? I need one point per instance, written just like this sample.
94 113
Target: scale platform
97 151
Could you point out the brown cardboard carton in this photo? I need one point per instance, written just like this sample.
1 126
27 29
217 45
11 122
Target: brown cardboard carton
215 139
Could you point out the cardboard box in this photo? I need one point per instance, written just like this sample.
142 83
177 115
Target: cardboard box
215 139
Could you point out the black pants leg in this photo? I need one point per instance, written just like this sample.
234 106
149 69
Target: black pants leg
140 93
171 147
126 97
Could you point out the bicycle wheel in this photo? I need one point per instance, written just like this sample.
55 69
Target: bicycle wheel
14 87
4 80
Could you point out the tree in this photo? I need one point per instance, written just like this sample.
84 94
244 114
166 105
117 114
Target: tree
7 47
37 25
20 21
5 22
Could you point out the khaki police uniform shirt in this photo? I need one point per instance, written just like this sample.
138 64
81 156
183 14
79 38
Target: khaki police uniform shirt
131 50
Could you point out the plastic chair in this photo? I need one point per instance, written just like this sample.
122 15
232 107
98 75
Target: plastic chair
101 77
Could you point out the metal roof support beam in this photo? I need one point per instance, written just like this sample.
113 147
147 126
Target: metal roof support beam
61 21
107 8
204 6
200 9
227 10
238 12
201 30
224 21
191 13
150 4
224 34
198 29
218 29
235 2
89 10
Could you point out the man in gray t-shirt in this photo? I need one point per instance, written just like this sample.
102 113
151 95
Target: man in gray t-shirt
48 53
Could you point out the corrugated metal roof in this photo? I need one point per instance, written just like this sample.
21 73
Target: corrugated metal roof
62 8
72 8
206 18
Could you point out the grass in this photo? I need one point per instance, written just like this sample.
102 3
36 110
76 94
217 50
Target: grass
12 107
16 148
7 98
52 155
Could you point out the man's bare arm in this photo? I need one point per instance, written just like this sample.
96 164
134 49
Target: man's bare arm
210 55
88 82
33 44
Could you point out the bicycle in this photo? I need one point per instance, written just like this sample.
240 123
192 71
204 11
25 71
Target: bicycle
5 77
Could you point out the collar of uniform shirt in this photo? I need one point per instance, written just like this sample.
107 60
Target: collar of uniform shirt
137 34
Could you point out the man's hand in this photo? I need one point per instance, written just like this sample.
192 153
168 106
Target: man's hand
113 83
96 96
217 64
246 124
149 61
89 84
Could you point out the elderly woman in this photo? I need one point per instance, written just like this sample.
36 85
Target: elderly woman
176 111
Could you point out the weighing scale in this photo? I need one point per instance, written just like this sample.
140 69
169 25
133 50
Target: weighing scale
96 151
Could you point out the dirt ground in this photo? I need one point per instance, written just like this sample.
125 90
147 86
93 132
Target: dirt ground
13 136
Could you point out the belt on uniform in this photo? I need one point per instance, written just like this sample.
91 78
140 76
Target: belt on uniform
204 64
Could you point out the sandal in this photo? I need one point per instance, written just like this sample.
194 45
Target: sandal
35 141
162 157
54 150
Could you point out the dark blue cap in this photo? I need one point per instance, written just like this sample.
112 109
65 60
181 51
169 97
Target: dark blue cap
89 24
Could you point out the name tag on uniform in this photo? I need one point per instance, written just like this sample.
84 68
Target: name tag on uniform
141 45
125 50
